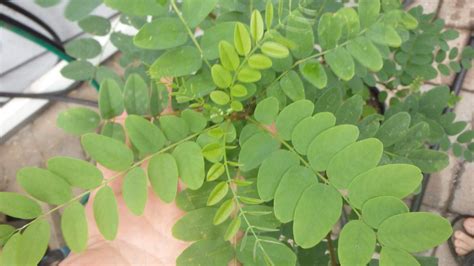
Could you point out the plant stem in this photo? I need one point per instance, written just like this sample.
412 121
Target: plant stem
112 178
332 253
190 33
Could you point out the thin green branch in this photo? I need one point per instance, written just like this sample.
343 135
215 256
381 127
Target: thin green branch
190 32
112 178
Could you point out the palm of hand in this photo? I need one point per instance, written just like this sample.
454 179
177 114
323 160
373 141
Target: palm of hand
141 240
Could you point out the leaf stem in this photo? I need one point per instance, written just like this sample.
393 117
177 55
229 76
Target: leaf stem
190 33
112 178
239 205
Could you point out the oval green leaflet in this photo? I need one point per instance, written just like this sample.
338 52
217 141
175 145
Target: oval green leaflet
259 61
272 170
163 175
228 57
221 77
242 40
77 173
136 95
238 90
109 152
144 135
356 243
44 185
135 190
190 164
215 171
218 193
78 120
291 115
310 127
110 99
414 231
314 72
224 211
74 227
19 206
220 97
174 127
248 75
256 25
267 110
33 243
309 227
233 228
377 210
274 49
106 212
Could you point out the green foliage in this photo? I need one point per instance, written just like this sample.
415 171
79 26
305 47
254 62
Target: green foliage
270 113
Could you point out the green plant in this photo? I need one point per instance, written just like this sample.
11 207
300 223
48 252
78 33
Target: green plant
272 135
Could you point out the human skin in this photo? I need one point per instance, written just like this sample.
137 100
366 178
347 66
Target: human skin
464 243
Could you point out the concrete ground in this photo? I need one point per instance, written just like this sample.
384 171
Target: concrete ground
450 192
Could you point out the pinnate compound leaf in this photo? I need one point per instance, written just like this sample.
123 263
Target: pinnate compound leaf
276 253
294 182
109 152
106 213
256 149
176 62
218 193
291 115
224 211
365 52
327 144
198 253
33 243
272 170
377 210
163 175
397 180
74 227
44 185
135 190
190 164
174 127
309 226
362 155
292 85
77 173
78 120
310 127
135 95
144 135
392 256
221 77
414 232
341 63
227 55
18 206
195 11
110 99
314 72
256 25
369 11
197 225
242 40
275 50
267 110
393 129
356 243
429 161
161 33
